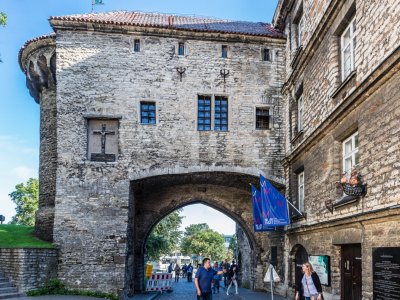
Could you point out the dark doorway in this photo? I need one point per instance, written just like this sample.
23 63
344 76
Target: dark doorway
351 272
301 257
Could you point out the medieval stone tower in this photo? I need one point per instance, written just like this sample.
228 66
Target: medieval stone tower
142 114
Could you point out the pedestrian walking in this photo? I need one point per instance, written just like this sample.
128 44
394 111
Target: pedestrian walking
233 279
184 268
217 278
226 267
309 288
189 272
203 279
170 268
177 272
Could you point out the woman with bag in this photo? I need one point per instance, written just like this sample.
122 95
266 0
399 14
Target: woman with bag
309 288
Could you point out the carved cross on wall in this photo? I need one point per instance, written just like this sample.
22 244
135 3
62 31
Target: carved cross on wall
103 156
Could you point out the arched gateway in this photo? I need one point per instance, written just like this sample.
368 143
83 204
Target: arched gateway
132 128
155 197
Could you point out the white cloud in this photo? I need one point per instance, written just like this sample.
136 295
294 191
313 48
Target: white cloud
24 173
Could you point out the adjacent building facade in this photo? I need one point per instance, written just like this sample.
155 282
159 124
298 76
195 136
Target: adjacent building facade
342 112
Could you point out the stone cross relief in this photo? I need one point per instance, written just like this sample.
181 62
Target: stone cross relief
103 156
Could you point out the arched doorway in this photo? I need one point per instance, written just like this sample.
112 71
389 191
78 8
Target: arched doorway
153 198
300 257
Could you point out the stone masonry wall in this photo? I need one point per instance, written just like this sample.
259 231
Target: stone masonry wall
29 268
98 75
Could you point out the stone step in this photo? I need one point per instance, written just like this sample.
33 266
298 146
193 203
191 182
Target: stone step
5 284
11 295
3 280
8 290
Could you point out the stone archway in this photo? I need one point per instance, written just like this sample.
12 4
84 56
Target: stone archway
155 197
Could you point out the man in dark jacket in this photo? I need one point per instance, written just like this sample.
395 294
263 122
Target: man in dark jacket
203 279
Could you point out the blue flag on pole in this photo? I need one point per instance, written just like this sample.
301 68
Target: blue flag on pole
258 211
274 205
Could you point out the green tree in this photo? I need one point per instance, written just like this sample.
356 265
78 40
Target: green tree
206 242
233 244
26 197
3 22
3 19
165 236
195 228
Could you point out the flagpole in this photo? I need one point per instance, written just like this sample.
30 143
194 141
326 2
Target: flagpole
92 6
294 207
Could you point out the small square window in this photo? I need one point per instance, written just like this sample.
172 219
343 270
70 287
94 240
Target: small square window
136 45
148 113
224 53
181 49
262 118
266 55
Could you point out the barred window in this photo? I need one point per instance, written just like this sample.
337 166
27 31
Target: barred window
148 112
262 118
181 49
224 50
221 114
136 46
204 113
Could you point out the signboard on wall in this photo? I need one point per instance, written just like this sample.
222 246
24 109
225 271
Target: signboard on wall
386 273
322 266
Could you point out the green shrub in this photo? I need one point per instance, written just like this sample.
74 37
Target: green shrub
57 287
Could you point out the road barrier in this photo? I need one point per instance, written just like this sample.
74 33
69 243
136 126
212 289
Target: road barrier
159 282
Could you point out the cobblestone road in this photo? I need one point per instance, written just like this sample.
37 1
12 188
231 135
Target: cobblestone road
186 291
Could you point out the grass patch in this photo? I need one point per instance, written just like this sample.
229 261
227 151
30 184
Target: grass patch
20 236
56 287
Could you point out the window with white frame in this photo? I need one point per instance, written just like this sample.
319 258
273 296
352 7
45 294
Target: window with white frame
300 114
300 31
350 153
347 48
300 191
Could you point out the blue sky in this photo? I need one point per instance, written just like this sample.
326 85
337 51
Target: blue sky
19 113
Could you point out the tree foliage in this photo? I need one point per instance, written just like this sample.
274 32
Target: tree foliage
201 240
165 236
3 22
233 244
3 19
26 197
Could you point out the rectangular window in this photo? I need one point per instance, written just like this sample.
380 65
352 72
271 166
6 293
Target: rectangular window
266 55
348 46
181 49
148 112
221 113
300 28
350 153
204 113
300 113
224 53
136 46
300 191
262 118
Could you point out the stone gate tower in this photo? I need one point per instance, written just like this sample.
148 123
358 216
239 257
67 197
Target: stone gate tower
142 114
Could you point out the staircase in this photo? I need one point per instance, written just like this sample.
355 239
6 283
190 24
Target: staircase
7 290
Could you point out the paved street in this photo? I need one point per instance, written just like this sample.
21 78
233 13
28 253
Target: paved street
186 291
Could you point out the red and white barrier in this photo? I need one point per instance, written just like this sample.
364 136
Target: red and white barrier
159 282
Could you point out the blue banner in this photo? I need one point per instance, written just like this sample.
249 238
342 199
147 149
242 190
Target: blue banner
274 205
258 211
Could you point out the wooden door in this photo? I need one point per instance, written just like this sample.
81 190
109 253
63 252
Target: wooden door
351 272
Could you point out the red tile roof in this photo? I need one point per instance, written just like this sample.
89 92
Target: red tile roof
176 22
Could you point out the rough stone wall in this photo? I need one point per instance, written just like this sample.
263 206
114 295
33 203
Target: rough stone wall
48 165
244 262
29 268
98 75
